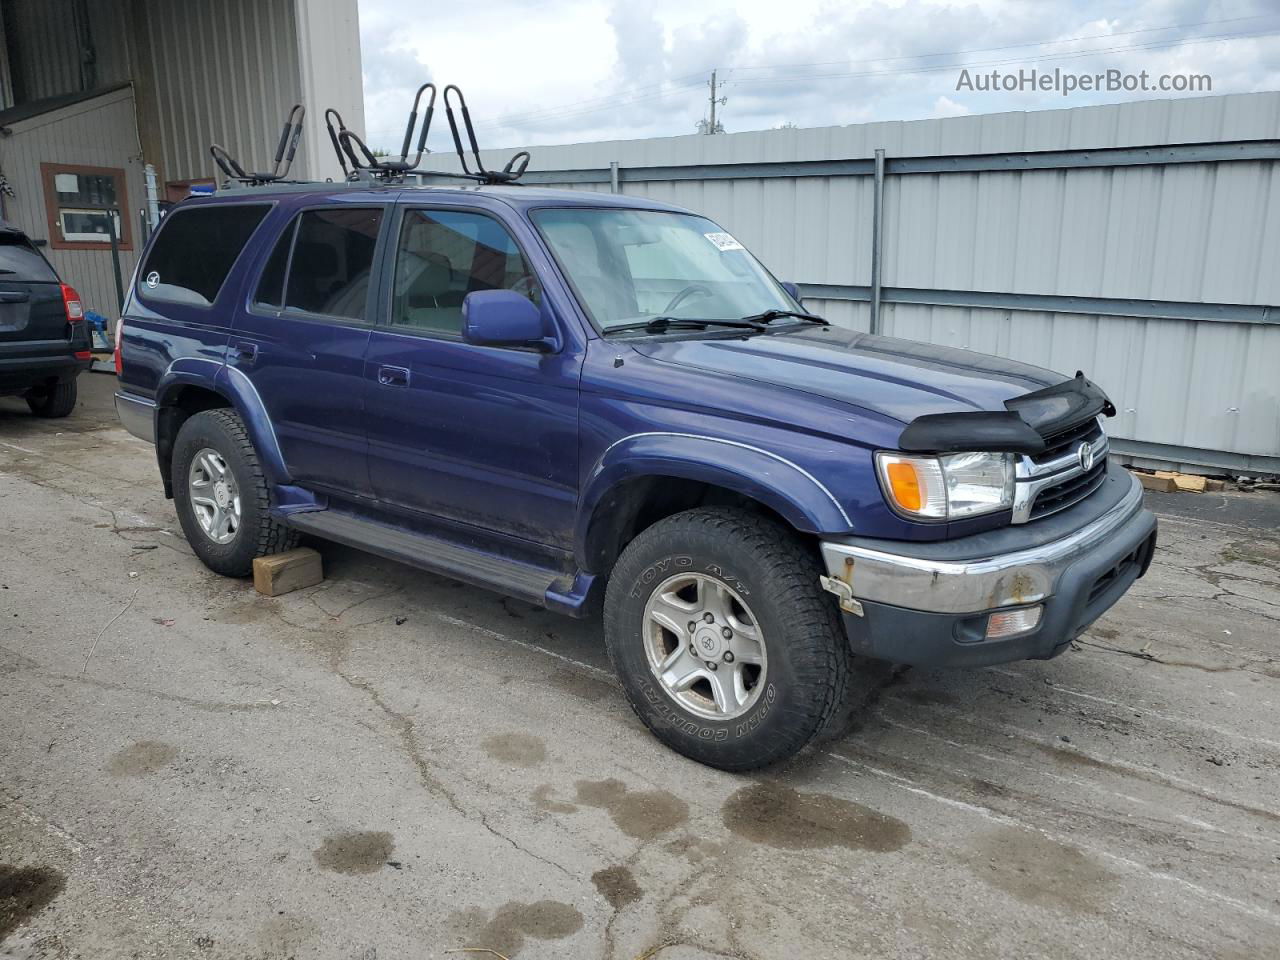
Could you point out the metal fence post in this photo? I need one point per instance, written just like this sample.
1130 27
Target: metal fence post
613 177
877 238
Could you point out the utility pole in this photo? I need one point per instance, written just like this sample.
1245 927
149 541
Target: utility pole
712 126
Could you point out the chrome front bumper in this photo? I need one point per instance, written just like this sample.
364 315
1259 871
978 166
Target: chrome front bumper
971 585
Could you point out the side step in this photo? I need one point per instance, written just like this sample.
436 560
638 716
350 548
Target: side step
510 577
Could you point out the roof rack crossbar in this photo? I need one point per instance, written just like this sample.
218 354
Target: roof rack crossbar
285 151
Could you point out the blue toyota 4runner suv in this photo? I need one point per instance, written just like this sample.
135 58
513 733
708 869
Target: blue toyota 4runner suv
594 402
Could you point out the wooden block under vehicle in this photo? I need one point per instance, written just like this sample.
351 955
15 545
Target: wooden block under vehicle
1189 483
1148 480
282 573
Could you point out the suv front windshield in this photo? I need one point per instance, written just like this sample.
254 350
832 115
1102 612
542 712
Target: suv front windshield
632 266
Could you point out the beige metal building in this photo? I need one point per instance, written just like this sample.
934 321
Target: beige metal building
93 91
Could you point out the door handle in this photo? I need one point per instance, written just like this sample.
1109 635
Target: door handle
393 376
245 352
14 296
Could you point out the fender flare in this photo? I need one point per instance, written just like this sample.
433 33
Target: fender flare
779 483
237 388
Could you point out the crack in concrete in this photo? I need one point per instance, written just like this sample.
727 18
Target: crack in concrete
405 729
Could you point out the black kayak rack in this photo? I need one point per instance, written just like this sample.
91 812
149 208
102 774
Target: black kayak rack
360 163
285 150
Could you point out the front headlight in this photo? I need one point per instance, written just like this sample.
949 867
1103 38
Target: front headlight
947 487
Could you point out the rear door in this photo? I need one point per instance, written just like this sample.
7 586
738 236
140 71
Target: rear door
33 320
302 340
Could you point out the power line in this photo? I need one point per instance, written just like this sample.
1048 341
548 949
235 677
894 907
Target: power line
680 82
1073 55
678 85
1011 46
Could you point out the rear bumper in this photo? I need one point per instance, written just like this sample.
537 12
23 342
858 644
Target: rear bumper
137 415
20 373
928 611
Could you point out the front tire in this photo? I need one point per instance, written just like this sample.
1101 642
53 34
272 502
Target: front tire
727 648
221 495
54 401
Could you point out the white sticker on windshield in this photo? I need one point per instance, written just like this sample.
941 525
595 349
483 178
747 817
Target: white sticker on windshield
723 241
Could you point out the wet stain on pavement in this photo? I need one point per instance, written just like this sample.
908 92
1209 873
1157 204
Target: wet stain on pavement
505 932
1042 872
24 892
617 885
543 800
517 749
643 814
695 849
142 758
985 788
778 816
357 852
583 685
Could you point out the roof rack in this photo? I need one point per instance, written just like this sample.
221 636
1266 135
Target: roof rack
358 162
508 174
289 137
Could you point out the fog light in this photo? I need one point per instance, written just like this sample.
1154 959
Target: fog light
1013 622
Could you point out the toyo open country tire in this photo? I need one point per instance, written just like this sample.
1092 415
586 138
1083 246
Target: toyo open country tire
746 585
55 401
214 463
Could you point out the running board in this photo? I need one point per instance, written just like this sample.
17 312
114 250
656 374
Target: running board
434 554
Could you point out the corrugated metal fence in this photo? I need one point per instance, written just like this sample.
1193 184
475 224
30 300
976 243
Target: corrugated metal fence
1138 242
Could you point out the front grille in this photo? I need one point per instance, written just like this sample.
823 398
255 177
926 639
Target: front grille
1075 484
1062 443
1069 492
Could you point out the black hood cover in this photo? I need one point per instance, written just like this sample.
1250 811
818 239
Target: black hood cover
1028 420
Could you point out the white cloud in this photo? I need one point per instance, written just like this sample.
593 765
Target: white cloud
946 107
574 70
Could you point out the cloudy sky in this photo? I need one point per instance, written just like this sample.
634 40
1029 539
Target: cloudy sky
564 71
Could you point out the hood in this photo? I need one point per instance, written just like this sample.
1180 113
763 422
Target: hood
899 379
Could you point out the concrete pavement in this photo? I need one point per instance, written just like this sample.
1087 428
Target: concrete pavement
394 765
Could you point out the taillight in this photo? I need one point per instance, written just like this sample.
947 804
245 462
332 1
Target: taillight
116 353
71 303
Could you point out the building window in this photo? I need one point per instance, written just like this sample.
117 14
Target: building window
83 203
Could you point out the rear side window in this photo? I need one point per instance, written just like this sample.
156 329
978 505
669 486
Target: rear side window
19 260
331 263
196 250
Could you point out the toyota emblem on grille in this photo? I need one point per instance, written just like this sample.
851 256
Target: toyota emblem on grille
1085 454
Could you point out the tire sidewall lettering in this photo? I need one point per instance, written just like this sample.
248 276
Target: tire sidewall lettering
667 710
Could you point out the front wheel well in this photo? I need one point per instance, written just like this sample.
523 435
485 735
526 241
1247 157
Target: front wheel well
634 505
175 409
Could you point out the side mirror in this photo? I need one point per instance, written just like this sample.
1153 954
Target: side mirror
503 318
792 289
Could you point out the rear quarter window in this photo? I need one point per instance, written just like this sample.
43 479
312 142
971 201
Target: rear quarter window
20 261
196 250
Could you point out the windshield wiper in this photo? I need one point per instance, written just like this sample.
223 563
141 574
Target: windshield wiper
661 324
778 314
